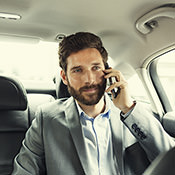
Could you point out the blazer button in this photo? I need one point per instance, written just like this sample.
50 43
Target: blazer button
134 126
143 137
140 134
137 130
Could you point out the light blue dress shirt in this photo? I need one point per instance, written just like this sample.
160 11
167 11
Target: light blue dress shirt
98 141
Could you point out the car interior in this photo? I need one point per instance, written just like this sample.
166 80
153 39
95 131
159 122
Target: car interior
139 37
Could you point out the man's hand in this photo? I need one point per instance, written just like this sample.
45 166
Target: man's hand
123 100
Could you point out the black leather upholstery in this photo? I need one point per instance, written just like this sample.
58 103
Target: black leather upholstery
13 121
61 88
164 164
137 162
168 122
17 110
12 94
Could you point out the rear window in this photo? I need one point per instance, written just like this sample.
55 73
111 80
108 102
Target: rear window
33 61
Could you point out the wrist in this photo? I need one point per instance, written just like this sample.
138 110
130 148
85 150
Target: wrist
128 107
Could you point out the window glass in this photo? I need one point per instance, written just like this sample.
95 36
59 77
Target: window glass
34 61
166 73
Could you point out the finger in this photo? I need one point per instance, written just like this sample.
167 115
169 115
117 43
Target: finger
107 71
111 87
120 85
112 72
117 77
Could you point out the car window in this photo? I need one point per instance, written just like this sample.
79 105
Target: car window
29 61
166 73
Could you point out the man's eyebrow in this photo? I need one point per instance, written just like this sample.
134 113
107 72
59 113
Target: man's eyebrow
96 64
75 67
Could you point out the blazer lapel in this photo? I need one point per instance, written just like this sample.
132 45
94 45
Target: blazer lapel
74 125
117 138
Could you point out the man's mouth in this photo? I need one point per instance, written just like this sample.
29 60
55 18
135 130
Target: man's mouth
90 89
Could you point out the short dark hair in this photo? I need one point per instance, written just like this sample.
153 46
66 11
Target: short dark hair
79 41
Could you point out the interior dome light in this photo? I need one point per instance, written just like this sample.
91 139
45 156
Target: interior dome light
9 16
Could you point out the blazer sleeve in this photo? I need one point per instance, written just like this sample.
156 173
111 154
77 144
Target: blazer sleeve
30 160
148 131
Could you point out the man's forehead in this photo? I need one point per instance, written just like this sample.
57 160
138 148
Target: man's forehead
90 55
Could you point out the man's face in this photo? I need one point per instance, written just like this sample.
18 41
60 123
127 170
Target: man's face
85 77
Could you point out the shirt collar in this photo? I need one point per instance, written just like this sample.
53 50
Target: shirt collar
106 112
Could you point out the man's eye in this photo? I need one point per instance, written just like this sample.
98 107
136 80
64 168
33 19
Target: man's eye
77 70
96 68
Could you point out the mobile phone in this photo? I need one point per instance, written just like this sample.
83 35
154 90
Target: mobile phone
113 91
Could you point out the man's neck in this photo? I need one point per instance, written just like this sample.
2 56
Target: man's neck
93 110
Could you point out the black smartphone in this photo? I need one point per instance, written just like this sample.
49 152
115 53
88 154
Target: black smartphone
113 91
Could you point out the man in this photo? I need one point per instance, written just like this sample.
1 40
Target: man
88 133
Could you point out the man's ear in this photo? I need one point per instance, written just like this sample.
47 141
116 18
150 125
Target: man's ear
63 77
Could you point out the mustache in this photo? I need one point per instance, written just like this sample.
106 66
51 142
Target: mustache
89 87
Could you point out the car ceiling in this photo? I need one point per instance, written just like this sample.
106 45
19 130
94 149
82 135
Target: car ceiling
113 20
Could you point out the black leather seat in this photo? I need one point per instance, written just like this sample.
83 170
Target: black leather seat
168 122
163 164
61 89
13 121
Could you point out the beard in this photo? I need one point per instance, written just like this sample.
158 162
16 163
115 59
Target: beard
88 99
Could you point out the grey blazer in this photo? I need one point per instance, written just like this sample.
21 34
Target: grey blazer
54 144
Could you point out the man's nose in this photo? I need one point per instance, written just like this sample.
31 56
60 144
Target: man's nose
88 77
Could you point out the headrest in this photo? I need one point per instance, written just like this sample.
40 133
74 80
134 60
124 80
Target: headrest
169 123
12 94
61 88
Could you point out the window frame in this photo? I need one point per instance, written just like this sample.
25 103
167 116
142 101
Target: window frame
155 79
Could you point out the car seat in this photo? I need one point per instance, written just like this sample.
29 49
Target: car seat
14 121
